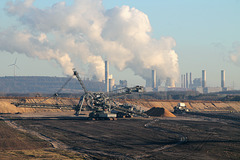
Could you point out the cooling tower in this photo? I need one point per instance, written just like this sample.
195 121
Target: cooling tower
222 78
106 76
204 78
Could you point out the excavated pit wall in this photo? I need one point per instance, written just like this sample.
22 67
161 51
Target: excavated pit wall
6 106
195 106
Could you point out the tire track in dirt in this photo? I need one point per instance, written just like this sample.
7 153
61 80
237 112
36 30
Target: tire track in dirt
182 139
95 152
53 142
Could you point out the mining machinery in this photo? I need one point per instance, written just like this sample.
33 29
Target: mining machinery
102 105
181 108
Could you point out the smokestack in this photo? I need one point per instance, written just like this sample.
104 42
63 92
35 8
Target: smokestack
181 81
204 78
222 78
190 76
154 79
186 80
106 76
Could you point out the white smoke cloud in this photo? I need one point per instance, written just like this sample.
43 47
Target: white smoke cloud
84 34
96 63
235 54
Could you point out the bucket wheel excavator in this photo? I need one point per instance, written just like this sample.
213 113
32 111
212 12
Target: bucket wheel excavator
102 105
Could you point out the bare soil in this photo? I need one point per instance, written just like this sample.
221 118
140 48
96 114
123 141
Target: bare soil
184 137
11 139
21 144
212 133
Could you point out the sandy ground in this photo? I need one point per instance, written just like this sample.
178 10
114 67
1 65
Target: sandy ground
183 137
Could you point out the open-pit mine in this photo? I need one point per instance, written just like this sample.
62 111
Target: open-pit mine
211 130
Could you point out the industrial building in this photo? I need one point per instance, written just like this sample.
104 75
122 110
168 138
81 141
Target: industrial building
200 84
187 83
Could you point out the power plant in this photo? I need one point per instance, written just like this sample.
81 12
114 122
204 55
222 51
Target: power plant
200 84
187 83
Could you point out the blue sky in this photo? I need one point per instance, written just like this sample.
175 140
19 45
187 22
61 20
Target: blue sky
204 31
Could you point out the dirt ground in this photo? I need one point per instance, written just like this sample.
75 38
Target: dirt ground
10 139
183 137
211 132
19 144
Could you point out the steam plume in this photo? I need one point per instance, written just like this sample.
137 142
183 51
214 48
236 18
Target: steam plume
85 34
235 54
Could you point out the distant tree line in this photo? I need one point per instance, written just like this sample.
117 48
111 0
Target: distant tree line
39 84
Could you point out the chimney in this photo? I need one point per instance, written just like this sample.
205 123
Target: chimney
154 79
222 78
186 80
204 78
181 81
106 76
190 76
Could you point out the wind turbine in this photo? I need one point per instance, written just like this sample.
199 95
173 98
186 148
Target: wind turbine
14 67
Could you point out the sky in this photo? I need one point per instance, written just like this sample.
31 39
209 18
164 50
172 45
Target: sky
175 37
